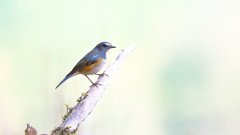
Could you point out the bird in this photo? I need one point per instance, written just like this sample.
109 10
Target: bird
91 63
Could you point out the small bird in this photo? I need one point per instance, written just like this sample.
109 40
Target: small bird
91 63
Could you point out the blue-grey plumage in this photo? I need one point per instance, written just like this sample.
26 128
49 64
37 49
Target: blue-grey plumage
91 63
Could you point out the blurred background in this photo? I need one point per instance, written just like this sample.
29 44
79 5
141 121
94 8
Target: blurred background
181 79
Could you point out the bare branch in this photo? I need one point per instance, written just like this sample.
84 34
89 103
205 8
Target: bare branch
75 116
87 101
30 130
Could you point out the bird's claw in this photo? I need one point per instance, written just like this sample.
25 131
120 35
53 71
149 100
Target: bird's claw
95 84
102 74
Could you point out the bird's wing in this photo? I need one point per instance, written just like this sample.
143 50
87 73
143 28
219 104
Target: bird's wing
85 61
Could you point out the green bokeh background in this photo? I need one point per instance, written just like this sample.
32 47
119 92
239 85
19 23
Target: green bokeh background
181 79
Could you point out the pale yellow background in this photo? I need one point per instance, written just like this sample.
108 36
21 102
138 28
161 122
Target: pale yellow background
181 79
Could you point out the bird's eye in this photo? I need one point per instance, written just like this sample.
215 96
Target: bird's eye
104 45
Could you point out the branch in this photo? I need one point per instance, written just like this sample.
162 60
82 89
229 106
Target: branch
87 101
30 130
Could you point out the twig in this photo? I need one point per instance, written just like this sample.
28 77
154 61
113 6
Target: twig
30 130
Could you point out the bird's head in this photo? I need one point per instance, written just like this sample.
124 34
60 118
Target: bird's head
103 47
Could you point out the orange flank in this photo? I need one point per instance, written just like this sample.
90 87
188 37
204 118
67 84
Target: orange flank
90 67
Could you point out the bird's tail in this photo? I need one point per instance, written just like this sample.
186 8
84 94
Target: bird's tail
68 76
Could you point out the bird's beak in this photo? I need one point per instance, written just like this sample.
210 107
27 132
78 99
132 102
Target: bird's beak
113 46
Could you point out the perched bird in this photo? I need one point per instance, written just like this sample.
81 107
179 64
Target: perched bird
91 63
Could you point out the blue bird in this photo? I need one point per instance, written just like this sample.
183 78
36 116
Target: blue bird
91 63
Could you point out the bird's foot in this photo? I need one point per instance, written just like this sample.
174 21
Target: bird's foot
95 84
102 74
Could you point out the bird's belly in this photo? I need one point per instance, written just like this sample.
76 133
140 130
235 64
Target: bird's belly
94 68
